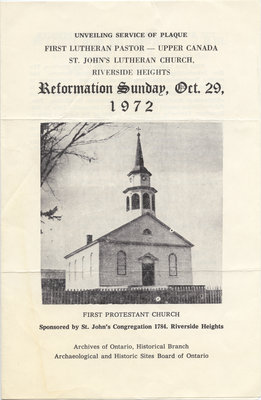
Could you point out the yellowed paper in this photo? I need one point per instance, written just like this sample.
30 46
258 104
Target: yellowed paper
130 200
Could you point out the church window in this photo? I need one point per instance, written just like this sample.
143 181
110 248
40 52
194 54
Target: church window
147 232
173 265
75 266
91 264
82 267
153 202
146 201
127 203
121 263
135 201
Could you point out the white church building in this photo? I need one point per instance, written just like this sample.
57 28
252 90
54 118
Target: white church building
143 252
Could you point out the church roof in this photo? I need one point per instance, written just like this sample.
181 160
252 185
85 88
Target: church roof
139 161
186 243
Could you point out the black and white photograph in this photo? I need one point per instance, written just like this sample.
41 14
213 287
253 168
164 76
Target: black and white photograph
131 213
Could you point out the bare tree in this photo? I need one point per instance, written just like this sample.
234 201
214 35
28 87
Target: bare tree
60 140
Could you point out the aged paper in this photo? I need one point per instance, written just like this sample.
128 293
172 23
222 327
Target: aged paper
130 137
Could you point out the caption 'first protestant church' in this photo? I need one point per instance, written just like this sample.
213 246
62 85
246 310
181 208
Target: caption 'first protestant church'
143 252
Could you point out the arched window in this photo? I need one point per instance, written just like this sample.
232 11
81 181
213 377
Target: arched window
75 266
147 232
69 271
146 201
82 267
173 265
135 201
153 202
121 263
91 264
127 203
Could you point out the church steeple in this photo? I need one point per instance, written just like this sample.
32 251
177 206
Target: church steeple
139 156
140 197
139 161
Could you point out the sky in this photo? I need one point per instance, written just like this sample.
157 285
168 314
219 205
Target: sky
185 160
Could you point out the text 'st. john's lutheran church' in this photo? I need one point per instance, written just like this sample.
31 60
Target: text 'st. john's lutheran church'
143 252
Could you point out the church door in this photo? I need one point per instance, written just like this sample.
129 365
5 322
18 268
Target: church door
148 274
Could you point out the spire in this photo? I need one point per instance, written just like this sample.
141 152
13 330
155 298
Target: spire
139 161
